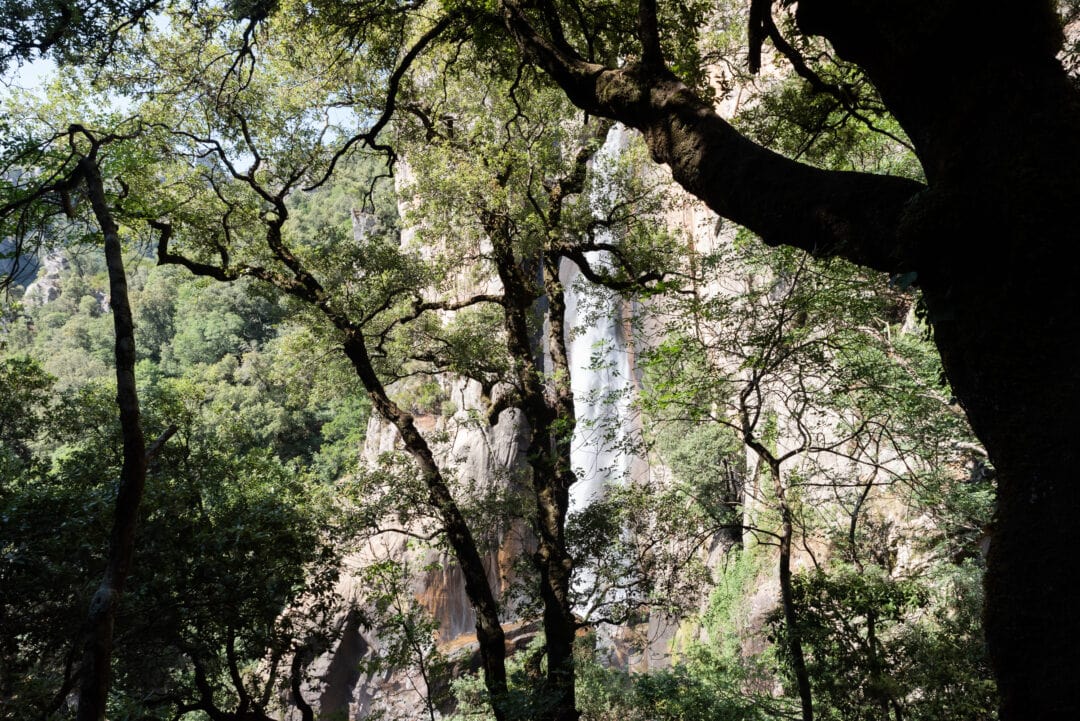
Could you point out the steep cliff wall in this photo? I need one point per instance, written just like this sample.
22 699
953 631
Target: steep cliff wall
846 489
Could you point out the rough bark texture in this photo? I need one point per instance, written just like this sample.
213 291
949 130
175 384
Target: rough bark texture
997 128
996 124
94 674
549 459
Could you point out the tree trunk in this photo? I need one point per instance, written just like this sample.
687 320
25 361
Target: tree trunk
1009 348
787 600
94 685
561 400
549 459
996 123
489 632
304 286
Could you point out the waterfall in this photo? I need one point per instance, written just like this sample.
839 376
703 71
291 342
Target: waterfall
600 373
600 377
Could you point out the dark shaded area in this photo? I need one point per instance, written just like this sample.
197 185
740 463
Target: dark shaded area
18 269
343 672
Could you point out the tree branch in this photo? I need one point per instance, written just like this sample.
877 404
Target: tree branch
649 34
370 137
828 213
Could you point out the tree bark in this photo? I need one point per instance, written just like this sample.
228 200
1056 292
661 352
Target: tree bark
94 684
549 459
996 125
828 213
998 134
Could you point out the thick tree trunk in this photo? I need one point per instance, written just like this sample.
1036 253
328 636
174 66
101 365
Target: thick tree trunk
1008 335
94 674
549 459
996 123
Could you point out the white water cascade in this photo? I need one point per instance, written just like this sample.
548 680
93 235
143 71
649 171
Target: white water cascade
601 373
600 377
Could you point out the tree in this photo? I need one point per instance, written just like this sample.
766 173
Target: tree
525 180
996 133
235 566
215 203
806 364
67 179
881 647
69 30
991 113
514 185
79 167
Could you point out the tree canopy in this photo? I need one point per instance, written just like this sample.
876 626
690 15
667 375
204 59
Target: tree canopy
230 110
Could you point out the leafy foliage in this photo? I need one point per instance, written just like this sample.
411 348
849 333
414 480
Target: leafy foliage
263 175
881 646
204 596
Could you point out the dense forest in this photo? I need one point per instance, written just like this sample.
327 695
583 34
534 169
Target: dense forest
412 344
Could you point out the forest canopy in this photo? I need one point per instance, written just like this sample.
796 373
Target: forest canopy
351 205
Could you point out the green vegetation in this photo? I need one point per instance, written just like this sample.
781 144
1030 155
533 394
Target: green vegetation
236 559
817 509
882 647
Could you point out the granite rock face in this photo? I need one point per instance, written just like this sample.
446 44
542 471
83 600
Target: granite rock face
484 458
45 288
477 457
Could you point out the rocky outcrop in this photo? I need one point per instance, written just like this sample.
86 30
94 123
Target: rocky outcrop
16 269
46 286
480 457
486 458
